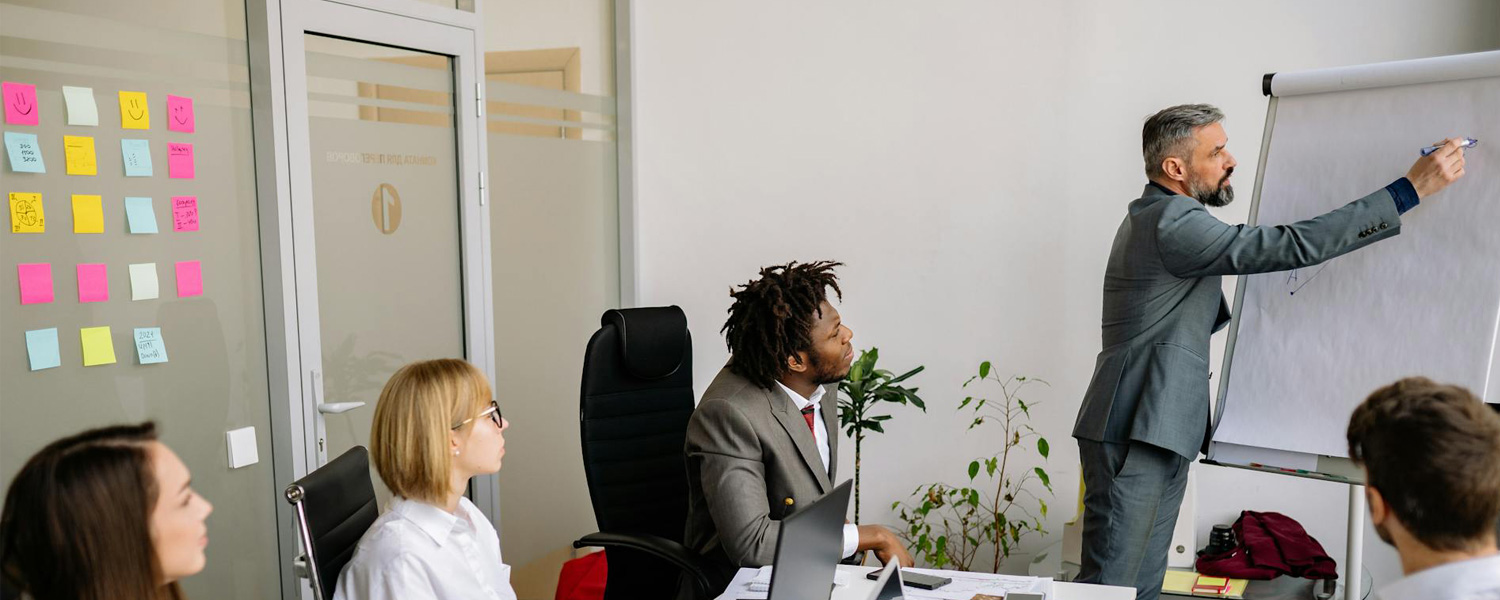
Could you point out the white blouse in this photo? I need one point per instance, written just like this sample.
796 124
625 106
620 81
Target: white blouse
417 550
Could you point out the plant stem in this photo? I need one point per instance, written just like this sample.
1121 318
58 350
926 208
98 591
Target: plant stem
859 440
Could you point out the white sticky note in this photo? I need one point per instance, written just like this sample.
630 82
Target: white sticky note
81 107
143 284
242 450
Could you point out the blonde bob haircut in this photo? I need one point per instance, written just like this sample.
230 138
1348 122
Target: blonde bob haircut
418 408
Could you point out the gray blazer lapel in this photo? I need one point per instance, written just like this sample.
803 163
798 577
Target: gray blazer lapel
796 428
830 408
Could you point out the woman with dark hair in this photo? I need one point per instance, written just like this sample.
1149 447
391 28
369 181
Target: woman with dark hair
104 514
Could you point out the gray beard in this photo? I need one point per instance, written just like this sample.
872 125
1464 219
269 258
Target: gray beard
1221 195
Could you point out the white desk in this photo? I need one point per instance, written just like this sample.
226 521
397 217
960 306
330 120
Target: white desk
860 588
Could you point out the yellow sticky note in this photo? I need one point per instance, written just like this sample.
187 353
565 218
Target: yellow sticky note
98 346
88 214
79 150
134 112
26 213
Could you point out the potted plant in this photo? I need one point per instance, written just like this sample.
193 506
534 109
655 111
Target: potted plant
865 387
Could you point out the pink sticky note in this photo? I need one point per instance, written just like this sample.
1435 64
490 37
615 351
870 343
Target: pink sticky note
189 279
36 282
93 283
180 161
180 114
184 213
20 103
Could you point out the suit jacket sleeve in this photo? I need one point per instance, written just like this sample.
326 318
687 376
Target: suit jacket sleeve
728 454
1194 244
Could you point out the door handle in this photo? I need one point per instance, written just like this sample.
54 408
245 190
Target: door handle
334 408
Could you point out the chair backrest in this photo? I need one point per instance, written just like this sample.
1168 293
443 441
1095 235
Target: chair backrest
637 396
335 506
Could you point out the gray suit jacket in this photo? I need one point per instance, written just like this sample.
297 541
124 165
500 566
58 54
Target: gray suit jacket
1162 301
752 461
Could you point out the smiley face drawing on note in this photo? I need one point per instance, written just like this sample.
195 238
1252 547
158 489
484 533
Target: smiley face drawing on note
135 113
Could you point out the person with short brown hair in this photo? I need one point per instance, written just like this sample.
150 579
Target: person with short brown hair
107 514
1431 456
436 426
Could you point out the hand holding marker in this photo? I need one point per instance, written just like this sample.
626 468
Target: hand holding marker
1465 143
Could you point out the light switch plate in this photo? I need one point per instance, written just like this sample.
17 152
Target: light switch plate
242 449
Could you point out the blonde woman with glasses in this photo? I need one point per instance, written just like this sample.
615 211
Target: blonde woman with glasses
436 426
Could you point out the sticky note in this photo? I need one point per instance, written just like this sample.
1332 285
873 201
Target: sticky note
242 449
137 156
149 346
135 113
88 214
180 114
36 282
79 152
26 215
189 279
180 161
143 282
20 103
184 213
98 346
25 153
141 216
81 107
41 348
93 283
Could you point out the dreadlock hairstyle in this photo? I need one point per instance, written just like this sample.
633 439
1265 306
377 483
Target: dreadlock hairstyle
772 317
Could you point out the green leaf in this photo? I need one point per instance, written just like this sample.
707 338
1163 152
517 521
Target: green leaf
973 469
966 402
876 427
1042 447
984 369
1044 508
990 466
1046 481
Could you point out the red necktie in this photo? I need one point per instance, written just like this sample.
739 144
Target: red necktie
807 415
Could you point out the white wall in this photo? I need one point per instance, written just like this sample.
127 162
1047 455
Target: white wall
970 161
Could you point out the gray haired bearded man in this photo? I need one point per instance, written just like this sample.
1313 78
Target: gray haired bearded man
1144 417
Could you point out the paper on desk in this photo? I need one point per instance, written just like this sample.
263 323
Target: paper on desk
965 585
758 584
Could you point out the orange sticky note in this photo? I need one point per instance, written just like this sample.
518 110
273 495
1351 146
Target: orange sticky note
26 215
88 214
79 152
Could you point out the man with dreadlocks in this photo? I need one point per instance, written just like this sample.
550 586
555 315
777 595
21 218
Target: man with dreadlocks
763 442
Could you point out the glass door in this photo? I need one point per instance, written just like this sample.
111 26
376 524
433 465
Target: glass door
386 209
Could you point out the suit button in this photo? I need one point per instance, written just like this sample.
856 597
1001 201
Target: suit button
1382 225
790 501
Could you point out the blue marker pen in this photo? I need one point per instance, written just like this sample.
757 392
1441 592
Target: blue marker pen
1466 143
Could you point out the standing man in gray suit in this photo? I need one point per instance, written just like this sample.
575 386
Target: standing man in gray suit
763 442
1145 415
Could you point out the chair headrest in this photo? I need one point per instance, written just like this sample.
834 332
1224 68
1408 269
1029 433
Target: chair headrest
653 340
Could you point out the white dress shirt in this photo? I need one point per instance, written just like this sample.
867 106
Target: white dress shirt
419 551
820 434
1473 579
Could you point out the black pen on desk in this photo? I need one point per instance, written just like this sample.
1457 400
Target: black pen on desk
1464 143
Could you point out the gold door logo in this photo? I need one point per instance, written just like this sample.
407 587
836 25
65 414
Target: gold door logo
385 208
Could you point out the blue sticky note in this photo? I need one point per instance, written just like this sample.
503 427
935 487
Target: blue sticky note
141 216
137 154
149 345
41 345
25 152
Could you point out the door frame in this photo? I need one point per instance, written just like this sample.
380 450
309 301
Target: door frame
275 30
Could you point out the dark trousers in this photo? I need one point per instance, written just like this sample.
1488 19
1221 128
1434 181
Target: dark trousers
1133 492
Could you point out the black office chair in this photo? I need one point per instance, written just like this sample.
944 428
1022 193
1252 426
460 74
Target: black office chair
637 396
335 506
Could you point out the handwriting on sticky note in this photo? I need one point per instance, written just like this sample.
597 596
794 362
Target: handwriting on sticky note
20 103
36 282
189 279
149 346
26 214
135 113
25 152
98 346
180 161
93 283
81 107
137 157
184 213
88 214
41 348
79 152
180 114
140 215
143 284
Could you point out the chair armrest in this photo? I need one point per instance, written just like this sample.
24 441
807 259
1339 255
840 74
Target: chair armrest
660 547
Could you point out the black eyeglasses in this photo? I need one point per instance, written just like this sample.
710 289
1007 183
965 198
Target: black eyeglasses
493 412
